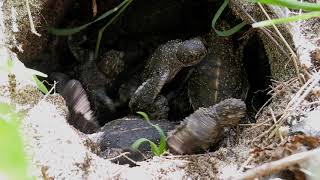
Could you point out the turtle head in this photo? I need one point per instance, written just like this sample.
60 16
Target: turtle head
191 52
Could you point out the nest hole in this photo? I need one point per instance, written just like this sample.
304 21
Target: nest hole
259 74
138 32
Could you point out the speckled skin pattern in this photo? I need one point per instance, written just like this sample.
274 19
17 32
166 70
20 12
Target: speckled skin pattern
162 67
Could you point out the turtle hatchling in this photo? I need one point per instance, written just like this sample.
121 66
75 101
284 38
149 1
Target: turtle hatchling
167 60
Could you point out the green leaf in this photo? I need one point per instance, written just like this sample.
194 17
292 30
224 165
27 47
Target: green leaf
5 108
8 113
135 146
124 5
40 85
70 31
163 142
286 20
38 73
216 17
67 32
292 4
144 115
13 163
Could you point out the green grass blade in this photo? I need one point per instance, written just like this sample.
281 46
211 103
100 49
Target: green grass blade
67 32
216 17
70 31
112 10
40 85
286 20
292 4
163 141
144 115
38 73
135 146
101 31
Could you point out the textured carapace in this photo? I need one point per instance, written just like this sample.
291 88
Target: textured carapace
220 75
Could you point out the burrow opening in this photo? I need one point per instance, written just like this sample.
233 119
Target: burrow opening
137 33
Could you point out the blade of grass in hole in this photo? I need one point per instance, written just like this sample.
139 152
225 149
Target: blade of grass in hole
292 4
156 151
286 20
163 143
70 31
144 115
108 24
216 17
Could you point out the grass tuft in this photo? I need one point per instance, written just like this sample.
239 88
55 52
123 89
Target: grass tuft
313 10
156 150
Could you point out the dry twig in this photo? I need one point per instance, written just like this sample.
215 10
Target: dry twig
33 29
120 155
294 56
276 166
294 103
300 95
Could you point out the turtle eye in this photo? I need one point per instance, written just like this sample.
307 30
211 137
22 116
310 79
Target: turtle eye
191 51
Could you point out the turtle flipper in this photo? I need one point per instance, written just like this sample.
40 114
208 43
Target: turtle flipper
101 96
205 126
80 114
144 97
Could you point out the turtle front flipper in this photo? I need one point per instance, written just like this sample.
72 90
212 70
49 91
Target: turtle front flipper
205 127
101 96
80 114
146 97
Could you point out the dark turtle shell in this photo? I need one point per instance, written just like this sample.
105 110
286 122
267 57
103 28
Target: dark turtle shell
220 75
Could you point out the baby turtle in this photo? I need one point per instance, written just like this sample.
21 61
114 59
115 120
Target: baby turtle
117 136
164 64
97 77
220 75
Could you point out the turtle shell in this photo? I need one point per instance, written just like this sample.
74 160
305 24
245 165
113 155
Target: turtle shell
220 75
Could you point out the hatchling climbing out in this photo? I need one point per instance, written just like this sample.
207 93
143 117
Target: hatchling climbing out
161 68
